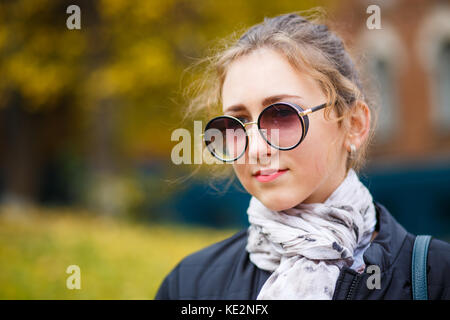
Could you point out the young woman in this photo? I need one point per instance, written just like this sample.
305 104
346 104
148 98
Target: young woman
300 125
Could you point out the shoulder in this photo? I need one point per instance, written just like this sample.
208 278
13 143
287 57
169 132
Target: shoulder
218 254
438 268
392 251
438 264
206 270
440 249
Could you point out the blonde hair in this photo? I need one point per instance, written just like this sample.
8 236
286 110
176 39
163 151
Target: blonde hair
309 46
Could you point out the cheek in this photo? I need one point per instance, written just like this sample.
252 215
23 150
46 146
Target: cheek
308 159
242 173
318 153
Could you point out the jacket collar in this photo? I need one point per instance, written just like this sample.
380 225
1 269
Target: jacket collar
386 246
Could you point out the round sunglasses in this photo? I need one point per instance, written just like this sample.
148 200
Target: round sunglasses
283 125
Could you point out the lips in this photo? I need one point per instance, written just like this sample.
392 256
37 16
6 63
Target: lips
267 175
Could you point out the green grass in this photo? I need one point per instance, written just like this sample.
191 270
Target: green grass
118 260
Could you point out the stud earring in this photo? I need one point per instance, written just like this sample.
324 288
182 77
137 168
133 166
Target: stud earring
352 155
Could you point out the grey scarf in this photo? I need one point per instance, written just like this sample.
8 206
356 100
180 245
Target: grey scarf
306 246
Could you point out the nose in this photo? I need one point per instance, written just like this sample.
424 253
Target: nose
259 151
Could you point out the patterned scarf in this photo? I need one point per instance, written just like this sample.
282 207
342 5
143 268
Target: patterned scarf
306 246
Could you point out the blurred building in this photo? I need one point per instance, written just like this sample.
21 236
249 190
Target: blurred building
408 60
407 64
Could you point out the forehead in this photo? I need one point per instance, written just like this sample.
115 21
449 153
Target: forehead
263 73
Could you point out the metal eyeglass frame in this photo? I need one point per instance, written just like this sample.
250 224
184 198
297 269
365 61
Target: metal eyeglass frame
302 114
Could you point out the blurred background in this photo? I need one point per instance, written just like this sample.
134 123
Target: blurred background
86 118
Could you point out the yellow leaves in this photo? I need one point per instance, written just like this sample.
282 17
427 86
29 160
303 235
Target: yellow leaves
150 63
151 10
40 65
3 37
114 8
72 45
140 13
38 83
155 56
142 65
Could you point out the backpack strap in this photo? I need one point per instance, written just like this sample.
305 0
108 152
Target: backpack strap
419 267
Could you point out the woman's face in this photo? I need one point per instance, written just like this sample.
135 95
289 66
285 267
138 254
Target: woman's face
308 173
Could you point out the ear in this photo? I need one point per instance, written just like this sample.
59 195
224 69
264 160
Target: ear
358 125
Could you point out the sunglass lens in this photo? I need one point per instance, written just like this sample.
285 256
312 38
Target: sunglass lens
225 138
281 126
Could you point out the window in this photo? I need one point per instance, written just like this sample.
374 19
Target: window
385 84
433 48
442 79
383 58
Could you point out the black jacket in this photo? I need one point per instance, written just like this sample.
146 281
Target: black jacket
223 270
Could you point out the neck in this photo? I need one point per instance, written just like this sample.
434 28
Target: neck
326 187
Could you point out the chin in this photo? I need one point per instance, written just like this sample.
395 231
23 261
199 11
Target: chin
275 202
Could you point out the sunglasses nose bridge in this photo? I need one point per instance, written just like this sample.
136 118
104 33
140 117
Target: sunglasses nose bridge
249 123
248 130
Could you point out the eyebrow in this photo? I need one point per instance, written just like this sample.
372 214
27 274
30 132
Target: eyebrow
267 101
